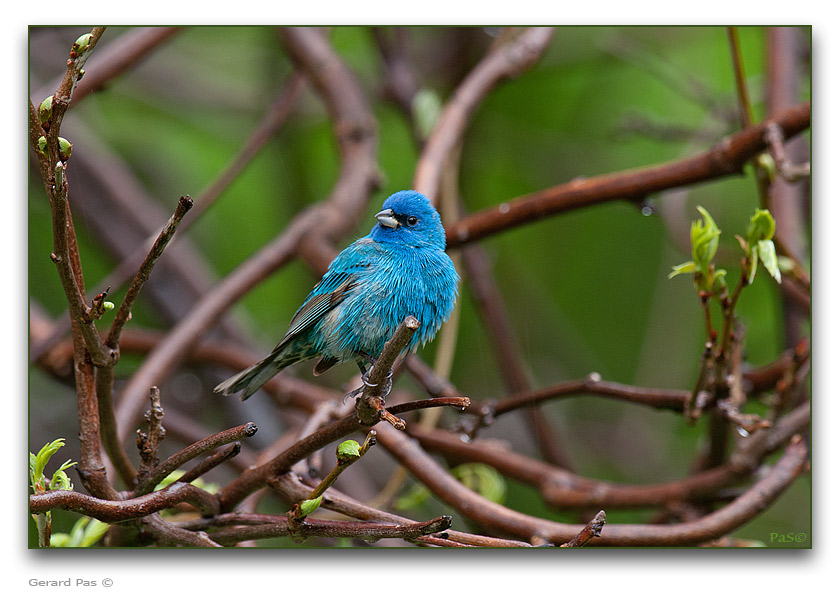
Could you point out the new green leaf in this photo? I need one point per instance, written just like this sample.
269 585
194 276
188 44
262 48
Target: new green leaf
348 451
762 226
767 254
705 236
308 506
684 268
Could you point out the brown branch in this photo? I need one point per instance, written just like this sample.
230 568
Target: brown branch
562 489
565 490
290 487
718 523
496 517
65 90
88 349
256 477
594 385
118 511
123 314
105 375
590 531
726 158
53 165
238 527
744 106
509 60
149 441
210 462
474 540
165 534
370 405
149 480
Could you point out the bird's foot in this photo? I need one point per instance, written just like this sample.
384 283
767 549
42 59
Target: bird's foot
366 383
352 394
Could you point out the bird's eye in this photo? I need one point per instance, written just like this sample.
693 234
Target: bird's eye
412 220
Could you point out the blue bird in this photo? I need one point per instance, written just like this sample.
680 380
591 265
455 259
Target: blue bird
399 269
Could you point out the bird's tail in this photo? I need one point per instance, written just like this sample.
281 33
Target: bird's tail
252 379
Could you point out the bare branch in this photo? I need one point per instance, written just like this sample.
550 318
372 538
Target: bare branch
124 311
510 59
149 480
370 405
590 531
118 511
497 517
726 158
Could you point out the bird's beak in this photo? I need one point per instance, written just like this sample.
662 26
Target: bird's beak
386 218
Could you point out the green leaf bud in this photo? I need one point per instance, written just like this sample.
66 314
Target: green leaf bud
82 43
762 226
309 506
719 281
65 147
347 451
768 165
753 265
42 143
60 482
684 268
705 236
45 109
767 254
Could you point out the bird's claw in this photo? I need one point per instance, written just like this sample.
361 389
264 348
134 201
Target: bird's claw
367 383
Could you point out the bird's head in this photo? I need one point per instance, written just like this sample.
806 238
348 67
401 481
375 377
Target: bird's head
408 217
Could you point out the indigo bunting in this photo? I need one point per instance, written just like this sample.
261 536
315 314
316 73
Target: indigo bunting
399 269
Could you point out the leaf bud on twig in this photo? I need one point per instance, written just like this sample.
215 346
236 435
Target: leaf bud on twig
80 45
45 110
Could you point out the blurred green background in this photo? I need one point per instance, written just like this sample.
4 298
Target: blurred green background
586 291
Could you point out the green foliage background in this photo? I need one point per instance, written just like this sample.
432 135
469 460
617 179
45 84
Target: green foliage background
587 291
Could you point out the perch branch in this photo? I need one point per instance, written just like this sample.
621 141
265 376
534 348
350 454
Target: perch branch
370 405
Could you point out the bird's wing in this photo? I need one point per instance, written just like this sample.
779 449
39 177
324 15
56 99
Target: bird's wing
339 280
320 303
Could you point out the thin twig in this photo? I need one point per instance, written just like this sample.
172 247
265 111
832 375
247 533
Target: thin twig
210 462
124 311
590 531
147 482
